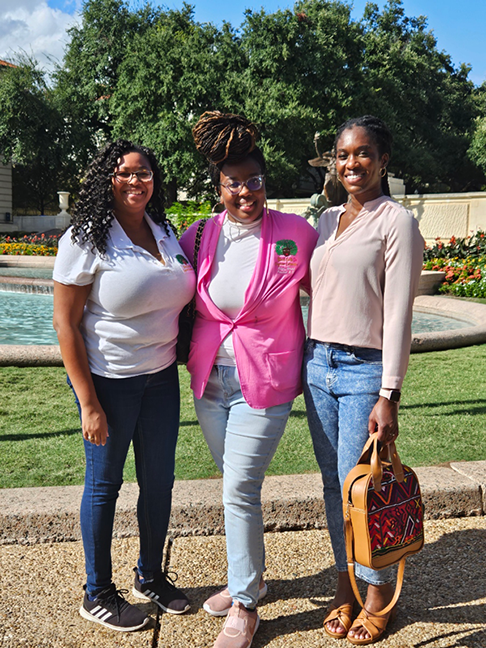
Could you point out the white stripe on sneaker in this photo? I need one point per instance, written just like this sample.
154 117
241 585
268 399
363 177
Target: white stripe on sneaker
151 595
106 616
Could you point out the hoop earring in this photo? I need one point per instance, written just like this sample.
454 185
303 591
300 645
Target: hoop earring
383 172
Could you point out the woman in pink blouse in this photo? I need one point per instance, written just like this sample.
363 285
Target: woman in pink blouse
364 275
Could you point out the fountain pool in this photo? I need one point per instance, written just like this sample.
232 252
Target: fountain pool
30 273
27 319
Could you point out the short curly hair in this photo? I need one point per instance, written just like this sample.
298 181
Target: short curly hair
93 212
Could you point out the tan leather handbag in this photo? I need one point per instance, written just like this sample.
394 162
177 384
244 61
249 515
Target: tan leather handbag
383 513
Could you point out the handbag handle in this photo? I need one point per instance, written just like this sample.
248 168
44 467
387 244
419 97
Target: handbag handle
379 453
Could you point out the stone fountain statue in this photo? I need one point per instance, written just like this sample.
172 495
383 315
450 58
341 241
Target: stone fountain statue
333 192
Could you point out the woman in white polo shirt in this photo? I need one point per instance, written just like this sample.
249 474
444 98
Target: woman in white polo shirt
120 282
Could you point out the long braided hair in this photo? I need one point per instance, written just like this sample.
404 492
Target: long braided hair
225 138
93 213
378 131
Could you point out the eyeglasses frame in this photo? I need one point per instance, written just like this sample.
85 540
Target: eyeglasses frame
244 184
133 173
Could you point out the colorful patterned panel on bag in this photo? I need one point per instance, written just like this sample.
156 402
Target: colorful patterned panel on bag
395 514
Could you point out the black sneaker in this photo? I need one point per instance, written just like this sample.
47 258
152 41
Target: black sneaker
161 591
112 611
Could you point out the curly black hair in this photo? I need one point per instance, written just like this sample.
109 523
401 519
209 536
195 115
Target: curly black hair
93 212
378 131
225 138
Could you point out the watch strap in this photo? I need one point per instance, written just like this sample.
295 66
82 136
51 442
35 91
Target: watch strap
392 395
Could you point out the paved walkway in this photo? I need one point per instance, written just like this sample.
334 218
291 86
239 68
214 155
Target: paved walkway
443 602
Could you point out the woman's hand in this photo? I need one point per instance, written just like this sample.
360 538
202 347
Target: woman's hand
69 302
95 426
384 420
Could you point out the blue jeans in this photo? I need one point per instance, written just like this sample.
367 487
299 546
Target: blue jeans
242 441
143 409
341 386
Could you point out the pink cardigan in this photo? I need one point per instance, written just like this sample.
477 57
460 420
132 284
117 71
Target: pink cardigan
268 333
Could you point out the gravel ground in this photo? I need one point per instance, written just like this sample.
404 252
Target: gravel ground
443 602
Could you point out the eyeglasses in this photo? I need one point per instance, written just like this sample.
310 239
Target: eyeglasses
252 184
125 176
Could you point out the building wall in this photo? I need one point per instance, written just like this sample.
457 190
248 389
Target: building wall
446 215
5 191
439 215
35 223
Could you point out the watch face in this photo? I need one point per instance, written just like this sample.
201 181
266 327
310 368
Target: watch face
395 396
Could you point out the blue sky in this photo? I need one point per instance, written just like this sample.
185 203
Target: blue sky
38 26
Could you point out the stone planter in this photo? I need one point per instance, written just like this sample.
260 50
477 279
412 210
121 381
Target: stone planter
430 281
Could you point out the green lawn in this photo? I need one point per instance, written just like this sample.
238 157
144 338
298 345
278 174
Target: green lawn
442 419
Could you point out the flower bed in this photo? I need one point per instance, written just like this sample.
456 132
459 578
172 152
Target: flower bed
29 245
463 261
464 277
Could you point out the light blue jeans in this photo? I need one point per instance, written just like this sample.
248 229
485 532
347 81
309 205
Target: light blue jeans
341 386
242 441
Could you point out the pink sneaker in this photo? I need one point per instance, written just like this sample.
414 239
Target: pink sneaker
220 603
239 628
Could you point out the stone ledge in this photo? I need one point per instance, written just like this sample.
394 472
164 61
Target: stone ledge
476 471
466 311
290 502
26 261
30 355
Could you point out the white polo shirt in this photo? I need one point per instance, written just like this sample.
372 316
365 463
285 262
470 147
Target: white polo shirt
130 321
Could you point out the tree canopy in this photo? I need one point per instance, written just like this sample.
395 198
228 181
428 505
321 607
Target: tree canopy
148 74
36 137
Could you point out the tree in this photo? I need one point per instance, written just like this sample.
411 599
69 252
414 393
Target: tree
88 76
173 72
33 135
427 103
148 74
477 149
301 73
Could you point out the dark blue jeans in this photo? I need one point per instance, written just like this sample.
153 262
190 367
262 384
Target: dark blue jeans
143 409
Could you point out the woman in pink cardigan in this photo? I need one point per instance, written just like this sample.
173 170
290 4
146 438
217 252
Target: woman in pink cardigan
246 351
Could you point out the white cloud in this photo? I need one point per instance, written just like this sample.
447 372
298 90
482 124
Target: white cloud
35 28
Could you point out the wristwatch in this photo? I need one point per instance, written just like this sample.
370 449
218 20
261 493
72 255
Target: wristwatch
392 395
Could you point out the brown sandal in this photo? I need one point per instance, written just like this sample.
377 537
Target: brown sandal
375 626
344 614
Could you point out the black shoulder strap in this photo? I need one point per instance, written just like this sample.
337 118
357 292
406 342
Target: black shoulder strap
197 241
